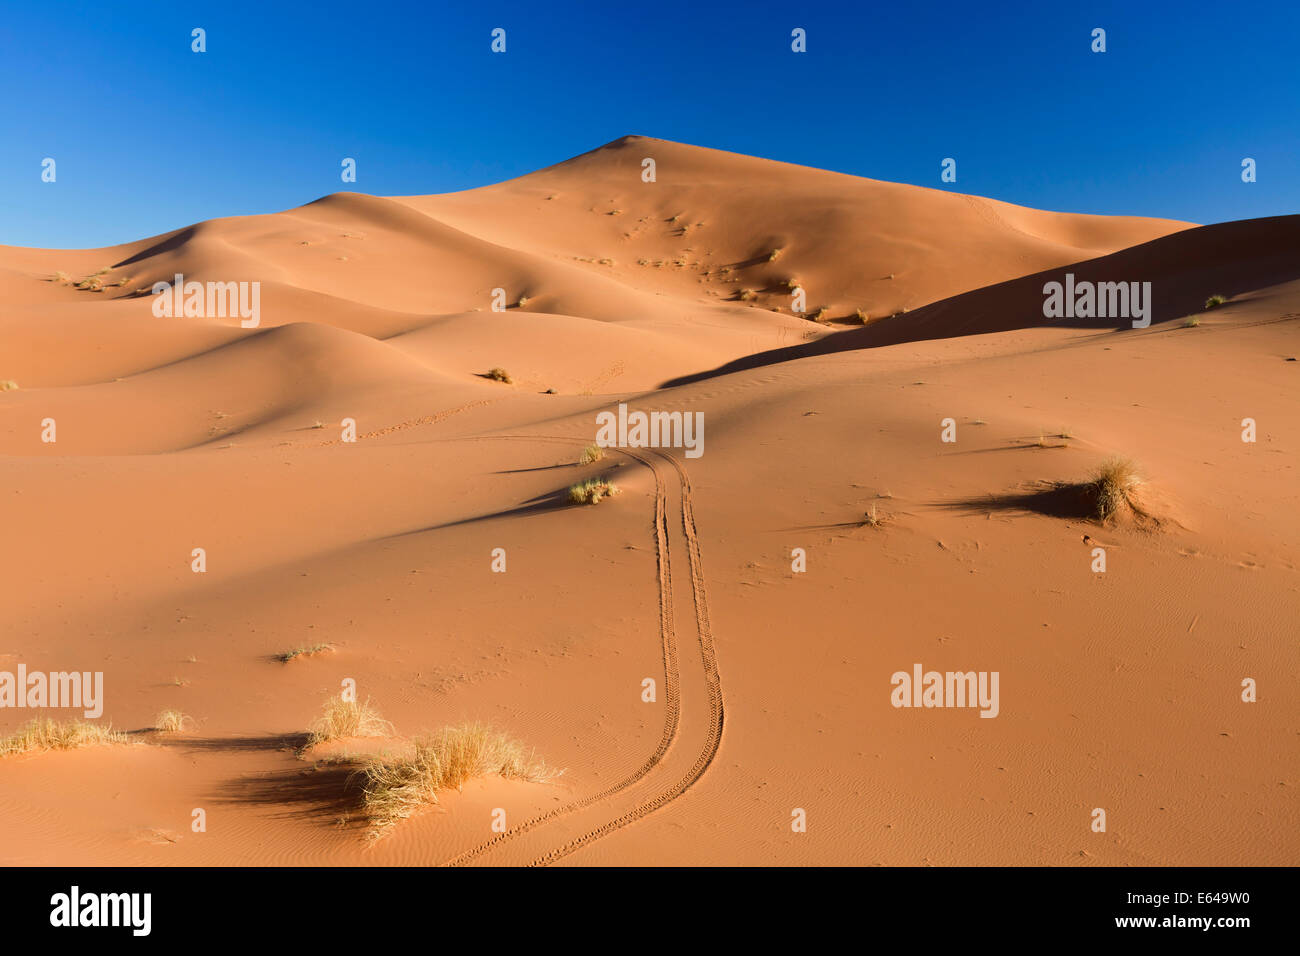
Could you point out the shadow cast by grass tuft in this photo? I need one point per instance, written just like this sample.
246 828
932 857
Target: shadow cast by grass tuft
330 793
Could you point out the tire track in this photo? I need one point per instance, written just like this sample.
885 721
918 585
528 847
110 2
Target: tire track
668 640
713 683
435 419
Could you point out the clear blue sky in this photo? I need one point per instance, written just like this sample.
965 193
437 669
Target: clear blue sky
149 136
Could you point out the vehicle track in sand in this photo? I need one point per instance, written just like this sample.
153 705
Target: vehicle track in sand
653 460
713 687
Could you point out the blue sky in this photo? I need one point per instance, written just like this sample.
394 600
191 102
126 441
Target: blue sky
149 136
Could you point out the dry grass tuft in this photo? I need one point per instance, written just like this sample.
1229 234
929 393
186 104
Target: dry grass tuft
747 294
500 375
872 517
286 656
1113 484
8 385
591 491
172 722
590 454
347 718
396 787
45 734
1214 301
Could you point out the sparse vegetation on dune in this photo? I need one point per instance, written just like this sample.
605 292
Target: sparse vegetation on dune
171 722
821 315
1214 301
500 375
746 294
1044 442
523 301
1113 484
395 787
44 734
590 454
306 651
861 316
591 491
1191 322
8 385
342 719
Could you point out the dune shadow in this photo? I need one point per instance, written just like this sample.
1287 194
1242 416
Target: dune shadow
1184 267
175 241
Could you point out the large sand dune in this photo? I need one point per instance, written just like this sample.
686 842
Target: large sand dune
1119 690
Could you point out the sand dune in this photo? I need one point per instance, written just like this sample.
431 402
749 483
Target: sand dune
1119 690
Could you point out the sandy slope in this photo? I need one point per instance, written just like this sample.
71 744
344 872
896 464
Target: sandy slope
1118 690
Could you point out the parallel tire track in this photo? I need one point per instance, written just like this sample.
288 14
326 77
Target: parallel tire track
713 684
668 638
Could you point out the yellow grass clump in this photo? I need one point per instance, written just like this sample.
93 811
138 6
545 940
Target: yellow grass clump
591 491
1113 484
286 656
172 722
397 786
46 734
500 375
347 718
590 454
